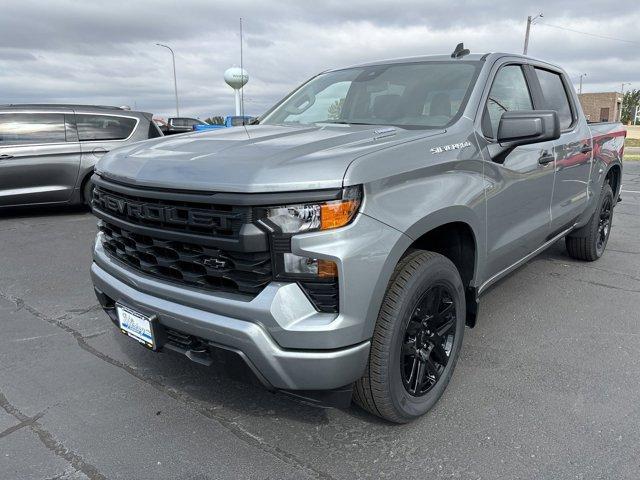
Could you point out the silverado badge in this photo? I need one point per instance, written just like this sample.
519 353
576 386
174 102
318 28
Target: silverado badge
453 146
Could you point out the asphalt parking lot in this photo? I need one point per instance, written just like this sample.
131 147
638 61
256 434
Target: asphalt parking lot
546 387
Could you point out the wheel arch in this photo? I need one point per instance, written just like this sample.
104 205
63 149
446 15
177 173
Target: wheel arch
614 178
453 232
86 176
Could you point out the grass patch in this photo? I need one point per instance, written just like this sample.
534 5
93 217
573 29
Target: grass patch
632 142
632 158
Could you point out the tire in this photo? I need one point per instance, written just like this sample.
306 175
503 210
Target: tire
87 192
386 389
589 242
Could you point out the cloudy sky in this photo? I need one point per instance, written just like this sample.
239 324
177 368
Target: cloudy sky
90 51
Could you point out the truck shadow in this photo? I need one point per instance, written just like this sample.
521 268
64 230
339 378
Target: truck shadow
221 391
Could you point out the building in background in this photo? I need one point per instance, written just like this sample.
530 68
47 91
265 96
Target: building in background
601 107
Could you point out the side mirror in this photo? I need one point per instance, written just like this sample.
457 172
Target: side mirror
528 126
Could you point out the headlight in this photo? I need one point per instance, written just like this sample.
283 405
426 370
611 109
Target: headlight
317 216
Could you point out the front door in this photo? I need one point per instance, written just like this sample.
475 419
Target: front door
520 184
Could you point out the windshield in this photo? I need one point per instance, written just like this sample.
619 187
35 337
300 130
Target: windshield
409 95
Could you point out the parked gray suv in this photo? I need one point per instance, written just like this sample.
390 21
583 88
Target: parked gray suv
340 245
47 152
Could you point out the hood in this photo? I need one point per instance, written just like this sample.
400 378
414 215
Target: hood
260 158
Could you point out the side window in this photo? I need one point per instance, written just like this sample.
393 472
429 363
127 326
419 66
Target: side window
104 127
508 92
31 128
555 96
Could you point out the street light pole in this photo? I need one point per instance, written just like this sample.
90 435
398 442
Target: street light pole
530 20
175 81
581 75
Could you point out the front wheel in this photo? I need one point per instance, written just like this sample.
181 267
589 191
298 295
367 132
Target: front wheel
416 341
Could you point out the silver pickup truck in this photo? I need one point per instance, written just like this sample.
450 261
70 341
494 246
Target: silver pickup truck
338 247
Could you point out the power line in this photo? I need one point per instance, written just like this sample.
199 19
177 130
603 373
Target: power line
588 33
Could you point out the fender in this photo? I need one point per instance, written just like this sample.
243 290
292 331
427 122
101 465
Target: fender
439 218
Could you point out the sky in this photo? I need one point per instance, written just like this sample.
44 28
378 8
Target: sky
97 52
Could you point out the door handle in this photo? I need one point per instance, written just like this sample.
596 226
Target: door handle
545 158
5 156
586 149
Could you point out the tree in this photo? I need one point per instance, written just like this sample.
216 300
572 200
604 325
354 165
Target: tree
335 109
215 120
630 101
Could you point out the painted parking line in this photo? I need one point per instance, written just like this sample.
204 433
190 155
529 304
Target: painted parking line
629 191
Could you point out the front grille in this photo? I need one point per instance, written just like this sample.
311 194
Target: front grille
195 265
189 239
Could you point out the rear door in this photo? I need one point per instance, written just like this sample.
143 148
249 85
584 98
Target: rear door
572 150
520 182
100 133
39 157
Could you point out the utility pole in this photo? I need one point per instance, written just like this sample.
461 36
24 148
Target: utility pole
530 20
581 75
175 81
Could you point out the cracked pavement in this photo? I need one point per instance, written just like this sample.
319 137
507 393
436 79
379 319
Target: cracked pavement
546 386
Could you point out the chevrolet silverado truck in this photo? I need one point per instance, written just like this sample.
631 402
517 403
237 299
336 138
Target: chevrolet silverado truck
338 247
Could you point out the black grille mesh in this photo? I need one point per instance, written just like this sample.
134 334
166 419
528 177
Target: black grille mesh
189 264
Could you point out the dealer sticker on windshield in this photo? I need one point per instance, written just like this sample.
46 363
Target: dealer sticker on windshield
135 325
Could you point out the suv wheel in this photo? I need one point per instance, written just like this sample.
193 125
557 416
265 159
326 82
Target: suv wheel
417 339
589 242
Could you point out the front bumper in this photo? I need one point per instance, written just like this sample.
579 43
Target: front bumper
276 367
286 342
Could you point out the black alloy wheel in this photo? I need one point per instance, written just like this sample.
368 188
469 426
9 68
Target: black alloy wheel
604 224
428 340
416 340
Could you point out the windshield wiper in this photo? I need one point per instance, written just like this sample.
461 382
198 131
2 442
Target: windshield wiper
342 122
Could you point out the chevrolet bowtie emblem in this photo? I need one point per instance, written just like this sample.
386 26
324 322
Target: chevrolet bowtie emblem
214 263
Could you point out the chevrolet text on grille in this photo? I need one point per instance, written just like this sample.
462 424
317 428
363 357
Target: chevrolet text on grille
162 213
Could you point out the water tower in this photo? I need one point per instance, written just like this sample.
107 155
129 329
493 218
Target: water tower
236 78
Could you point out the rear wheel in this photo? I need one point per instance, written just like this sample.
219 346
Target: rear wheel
416 341
590 241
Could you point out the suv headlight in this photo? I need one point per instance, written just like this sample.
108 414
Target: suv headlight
292 219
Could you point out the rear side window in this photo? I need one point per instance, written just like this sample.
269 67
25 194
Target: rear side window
104 127
31 128
508 92
555 96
